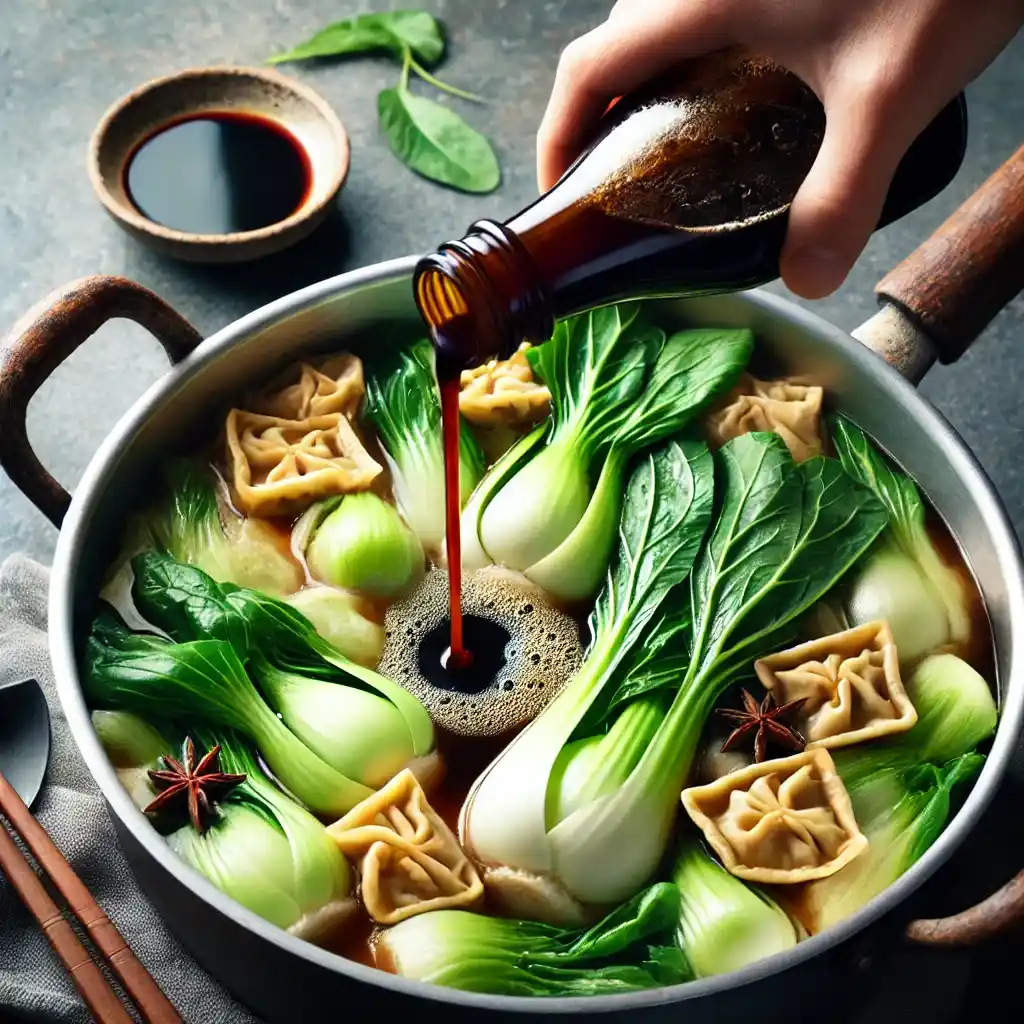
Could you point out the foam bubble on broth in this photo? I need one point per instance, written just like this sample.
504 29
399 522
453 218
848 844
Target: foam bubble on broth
543 652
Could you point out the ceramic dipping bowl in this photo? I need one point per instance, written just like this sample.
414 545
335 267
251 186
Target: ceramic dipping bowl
256 92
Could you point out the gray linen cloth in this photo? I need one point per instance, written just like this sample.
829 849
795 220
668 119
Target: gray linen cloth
34 985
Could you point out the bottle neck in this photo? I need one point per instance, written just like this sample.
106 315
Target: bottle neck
482 295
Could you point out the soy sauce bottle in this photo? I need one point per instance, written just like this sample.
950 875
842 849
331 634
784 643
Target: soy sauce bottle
686 190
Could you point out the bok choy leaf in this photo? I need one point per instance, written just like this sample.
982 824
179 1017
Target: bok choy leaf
618 386
630 949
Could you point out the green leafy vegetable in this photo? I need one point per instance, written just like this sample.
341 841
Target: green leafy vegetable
629 949
364 545
266 852
204 680
404 407
436 142
190 521
618 386
187 604
725 924
785 533
431 139
666 511
905 582
901 788
394 32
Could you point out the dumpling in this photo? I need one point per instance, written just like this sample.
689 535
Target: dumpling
790 409
336 387
782 821
299 446
503 392
409 860
850 683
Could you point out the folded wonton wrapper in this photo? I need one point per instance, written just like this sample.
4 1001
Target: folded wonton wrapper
409 860
791 410
503 392
783 821
337 387
300 446
850 683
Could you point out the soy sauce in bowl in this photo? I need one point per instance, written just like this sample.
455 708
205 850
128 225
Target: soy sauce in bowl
219 172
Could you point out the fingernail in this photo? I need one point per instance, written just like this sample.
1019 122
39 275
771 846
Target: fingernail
814 272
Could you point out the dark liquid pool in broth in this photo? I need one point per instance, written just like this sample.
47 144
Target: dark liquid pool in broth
219 173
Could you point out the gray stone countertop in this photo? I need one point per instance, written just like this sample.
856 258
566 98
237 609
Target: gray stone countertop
63 62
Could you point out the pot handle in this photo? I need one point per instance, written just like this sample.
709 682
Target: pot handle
998 914
952 285
35 346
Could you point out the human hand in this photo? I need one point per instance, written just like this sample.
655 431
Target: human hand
883 69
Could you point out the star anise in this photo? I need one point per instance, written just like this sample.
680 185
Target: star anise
764 718
197 784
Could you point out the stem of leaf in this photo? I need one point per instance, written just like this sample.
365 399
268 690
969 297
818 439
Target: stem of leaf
422 72
403 82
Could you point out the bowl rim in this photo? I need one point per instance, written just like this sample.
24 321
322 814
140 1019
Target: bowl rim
129 215
67 563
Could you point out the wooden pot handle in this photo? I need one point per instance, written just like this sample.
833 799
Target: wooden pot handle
35 346
995 916
953 284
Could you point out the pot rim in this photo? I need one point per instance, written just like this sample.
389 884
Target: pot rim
77 525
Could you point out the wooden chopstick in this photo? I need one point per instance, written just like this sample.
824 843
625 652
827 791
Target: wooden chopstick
88 978
153 1005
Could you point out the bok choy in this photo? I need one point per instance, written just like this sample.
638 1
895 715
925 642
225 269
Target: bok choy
618 386
901 788
338 617
725 924
630 949
191 523
556 799
404 406
362 724
267 852
204 680
905 582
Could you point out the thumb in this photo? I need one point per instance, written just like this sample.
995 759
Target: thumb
840 202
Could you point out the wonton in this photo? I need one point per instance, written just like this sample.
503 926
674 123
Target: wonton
300 446
409 860
503 392
850 683
791 410
783 821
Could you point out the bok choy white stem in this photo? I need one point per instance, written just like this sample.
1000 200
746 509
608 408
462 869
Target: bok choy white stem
724 924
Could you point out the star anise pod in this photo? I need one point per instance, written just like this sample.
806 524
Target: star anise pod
764 719
196 784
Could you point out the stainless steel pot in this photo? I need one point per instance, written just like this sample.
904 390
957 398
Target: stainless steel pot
935 304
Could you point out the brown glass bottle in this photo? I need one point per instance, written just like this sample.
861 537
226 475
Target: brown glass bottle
685 191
